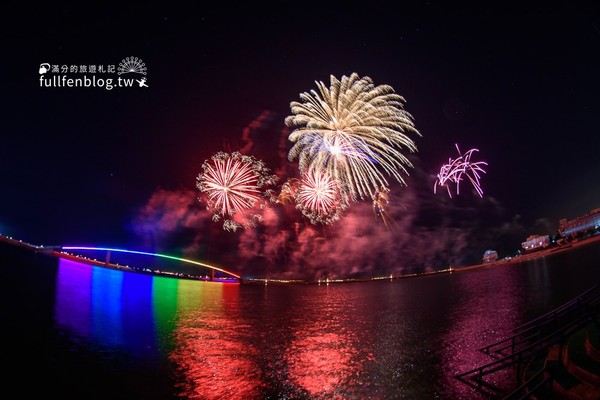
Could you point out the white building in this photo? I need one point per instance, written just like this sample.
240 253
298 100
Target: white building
536 242
583 223
490 256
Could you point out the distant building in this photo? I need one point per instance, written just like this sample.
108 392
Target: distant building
490 256
536 242
580 224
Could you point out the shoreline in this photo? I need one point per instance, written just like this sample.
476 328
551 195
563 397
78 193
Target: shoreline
515 260
537 254
51 251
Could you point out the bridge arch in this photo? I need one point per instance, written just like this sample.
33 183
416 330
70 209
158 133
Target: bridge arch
145 253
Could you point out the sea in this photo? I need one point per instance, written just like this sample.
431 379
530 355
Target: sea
74 330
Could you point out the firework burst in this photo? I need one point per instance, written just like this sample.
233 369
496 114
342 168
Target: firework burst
319 198
233 187
355 131
455 171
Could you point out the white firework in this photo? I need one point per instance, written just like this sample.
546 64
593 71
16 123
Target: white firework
353 130
131 64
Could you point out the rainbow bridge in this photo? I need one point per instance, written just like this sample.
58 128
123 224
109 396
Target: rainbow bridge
65 252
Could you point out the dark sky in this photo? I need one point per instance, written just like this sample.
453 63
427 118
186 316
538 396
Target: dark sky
521 84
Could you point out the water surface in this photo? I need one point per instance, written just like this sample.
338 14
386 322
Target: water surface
99 333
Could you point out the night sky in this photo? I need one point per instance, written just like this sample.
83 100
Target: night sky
96 166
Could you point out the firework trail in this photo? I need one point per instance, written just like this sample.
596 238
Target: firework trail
232 185
455 171
354 131
319 198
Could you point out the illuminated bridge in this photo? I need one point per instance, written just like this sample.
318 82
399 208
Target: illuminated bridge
68 252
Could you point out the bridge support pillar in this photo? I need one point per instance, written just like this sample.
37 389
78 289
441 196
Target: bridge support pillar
212 275
107 260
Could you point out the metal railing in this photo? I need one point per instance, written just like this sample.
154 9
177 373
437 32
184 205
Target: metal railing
539 384
536 328
574 304
526 353
532 338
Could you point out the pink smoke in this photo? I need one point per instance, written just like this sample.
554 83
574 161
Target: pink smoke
247 137
428 232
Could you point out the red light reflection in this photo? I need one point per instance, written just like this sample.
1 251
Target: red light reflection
323 364
212 352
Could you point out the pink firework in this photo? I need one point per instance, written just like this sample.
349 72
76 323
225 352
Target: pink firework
232 185
456 170
320 198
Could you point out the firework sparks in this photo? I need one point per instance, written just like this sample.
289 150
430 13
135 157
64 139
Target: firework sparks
232 185
288 191
355 131
380 202
455 171
319 198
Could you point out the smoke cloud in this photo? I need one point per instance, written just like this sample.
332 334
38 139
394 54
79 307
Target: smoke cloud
427 231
